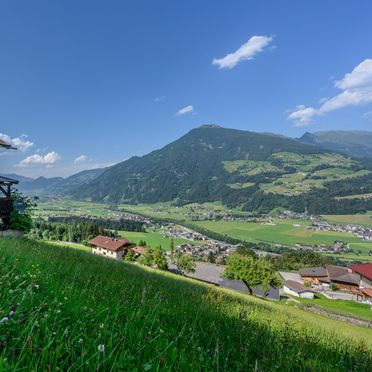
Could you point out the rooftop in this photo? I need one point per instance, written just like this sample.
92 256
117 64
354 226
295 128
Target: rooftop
296 286
313 271
363 269
113 244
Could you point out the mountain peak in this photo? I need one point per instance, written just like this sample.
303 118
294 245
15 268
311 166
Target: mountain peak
209 126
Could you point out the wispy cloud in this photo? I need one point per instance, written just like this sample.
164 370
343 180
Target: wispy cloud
48 159
159 99
185 110
367 115
255 45
81 159
356 90
21 142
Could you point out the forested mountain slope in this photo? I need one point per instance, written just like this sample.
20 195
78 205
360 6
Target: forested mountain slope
240 168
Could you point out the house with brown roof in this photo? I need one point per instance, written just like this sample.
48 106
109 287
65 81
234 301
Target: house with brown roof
314 275
139 251
110 247
343 278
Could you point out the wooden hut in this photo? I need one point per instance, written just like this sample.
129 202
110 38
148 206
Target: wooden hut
6 202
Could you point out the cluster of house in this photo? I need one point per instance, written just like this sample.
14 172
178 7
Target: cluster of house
353 279
362 232
185 233
337 247
220 250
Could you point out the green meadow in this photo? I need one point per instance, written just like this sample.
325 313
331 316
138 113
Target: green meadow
283 232
66 309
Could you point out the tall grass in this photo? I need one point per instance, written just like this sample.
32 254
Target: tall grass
76 311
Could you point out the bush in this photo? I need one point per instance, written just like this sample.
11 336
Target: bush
334 287
20 221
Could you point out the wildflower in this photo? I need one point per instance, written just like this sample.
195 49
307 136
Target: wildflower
101 325
101 348
4 320
58 311
17 277
36 286
11 314
66 298
80 340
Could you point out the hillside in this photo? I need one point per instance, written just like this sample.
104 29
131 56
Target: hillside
73 310
353 143
255 171
55 186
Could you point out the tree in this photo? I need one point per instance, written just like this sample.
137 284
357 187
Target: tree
253 272
147 258
20 218
211 257
130 256
184 263
171 247
159 259
246 251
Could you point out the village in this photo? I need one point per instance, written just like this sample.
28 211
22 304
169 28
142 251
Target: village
362 232
353 283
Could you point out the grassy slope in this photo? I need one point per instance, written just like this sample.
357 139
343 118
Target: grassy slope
344 307
68 302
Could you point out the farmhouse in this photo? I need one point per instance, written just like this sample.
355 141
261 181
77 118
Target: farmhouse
110 247
297 289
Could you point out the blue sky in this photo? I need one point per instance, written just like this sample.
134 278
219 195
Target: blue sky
90 83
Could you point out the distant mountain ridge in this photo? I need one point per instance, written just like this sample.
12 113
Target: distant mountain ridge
254 170
353 143
55 186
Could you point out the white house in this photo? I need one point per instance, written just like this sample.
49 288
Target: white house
110 247
297 289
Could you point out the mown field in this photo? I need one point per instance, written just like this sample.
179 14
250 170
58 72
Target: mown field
283 232
67 309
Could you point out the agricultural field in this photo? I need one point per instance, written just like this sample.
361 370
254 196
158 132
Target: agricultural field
154 238
87 312
72 207
283 232
356 219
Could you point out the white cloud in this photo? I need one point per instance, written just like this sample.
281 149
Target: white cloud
159 99
81 159
21 142
255 45
48 159
185 110
356 89
303 115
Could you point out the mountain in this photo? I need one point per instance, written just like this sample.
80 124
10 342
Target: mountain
55 186
353 143
253 170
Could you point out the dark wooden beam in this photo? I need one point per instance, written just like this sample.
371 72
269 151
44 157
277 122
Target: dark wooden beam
6 193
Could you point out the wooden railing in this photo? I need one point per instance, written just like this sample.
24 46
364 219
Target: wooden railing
6 207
